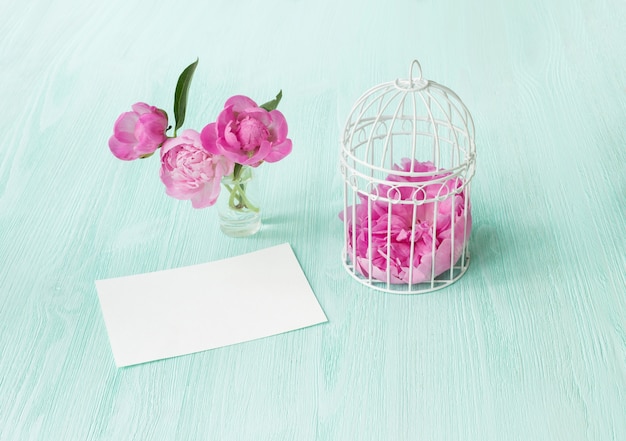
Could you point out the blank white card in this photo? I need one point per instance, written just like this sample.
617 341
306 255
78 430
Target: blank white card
180 311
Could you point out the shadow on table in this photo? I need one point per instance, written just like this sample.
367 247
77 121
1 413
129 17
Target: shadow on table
516 252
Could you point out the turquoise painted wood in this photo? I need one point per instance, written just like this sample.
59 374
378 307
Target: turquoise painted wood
529 345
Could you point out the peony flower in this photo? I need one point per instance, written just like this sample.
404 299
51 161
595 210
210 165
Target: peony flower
191 173
397 228
247 134
139 132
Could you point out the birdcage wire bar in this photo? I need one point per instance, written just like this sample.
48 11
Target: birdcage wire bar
426 128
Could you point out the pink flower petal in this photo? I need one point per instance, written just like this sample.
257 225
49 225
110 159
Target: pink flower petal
141 108
206 196
240 103
279 125
259 114
257 158
229 137
225 117
234 155
124 128
208 138
279 151
121 150
193 136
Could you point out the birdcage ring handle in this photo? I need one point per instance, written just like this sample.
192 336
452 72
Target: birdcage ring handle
419 70
413 82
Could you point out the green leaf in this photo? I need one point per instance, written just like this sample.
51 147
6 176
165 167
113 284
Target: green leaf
271 105
180 97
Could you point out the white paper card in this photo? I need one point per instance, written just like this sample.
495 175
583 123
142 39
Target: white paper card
180 311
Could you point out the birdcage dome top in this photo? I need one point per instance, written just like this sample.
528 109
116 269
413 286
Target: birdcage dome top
411 118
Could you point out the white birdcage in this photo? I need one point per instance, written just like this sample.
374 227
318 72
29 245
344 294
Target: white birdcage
407 158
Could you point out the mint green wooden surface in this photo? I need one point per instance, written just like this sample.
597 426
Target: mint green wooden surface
529 345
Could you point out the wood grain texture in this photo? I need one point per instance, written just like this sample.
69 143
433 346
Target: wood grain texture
529 345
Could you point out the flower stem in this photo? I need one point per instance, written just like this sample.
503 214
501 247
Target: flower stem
237 171
238 199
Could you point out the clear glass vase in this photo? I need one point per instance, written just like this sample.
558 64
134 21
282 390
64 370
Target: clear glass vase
239 212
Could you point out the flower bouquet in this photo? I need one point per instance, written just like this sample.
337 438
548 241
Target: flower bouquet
411 228
195 165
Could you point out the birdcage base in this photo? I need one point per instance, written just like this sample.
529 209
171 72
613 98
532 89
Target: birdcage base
443 280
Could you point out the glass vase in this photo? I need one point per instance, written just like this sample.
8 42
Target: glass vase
239 211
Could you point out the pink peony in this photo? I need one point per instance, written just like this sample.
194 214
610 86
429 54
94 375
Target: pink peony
190 172
392 224
247 134
139 132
